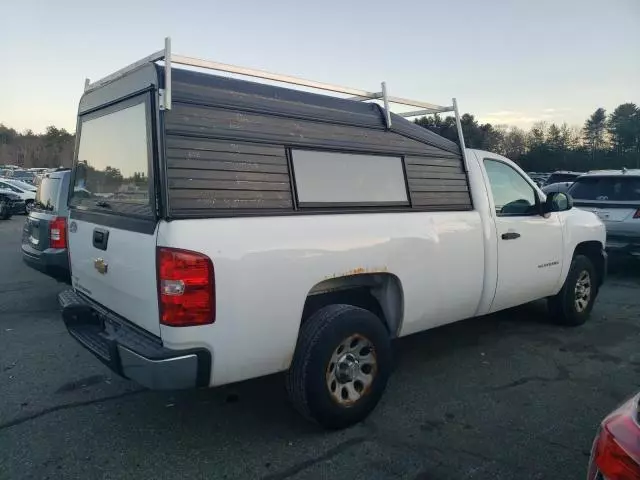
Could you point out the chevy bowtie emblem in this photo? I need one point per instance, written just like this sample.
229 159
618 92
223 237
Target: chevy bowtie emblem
100 265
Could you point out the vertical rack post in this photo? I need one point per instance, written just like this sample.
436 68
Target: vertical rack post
385 98
167 73
463 147
87 82
460 134
459 125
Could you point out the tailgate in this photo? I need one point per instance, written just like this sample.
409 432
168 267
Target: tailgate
117 269
112 220
36 231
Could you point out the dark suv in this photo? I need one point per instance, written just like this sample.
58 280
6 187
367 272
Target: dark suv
44 238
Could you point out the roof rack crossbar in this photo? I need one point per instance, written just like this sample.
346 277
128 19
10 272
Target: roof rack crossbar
374 96
250 72
426 111
154 57
356 94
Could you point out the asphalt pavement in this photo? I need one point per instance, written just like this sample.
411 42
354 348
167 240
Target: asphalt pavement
507 396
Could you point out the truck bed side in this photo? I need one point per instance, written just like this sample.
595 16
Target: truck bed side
266 266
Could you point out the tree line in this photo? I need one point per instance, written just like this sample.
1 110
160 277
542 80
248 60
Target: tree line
604 141
54 148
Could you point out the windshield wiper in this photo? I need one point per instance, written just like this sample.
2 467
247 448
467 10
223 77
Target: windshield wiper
103 204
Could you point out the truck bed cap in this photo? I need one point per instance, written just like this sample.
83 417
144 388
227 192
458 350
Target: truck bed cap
219 91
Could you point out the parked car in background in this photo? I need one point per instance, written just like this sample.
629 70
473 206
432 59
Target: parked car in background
561 176
537 177
351 224
23 175
615 454
20 184
27 196
557 187
613 195
44 238
10 203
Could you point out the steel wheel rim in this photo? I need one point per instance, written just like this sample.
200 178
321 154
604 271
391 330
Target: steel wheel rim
583 291
351 370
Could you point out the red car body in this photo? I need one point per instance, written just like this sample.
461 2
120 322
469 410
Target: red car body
616 449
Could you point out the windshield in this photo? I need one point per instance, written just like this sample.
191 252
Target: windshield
22 185
621 189
26 176
47 194
4 185
112 170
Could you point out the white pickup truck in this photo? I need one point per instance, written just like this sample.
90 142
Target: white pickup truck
221 230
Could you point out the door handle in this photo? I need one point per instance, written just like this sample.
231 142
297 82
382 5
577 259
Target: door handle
100 238
510 236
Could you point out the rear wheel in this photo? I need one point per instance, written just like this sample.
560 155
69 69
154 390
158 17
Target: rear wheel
573 304
28 206
340 367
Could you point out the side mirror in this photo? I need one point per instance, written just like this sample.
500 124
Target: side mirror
557 202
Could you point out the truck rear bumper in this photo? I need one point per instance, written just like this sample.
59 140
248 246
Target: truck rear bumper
130 352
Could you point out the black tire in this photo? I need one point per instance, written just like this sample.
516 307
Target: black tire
28 206
563 307
5 212
308 379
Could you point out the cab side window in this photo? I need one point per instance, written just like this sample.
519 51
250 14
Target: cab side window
512 194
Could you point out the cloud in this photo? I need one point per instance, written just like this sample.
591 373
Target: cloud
504 113
523 119
512 120
556 110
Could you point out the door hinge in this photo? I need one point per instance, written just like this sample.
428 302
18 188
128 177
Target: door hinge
161 98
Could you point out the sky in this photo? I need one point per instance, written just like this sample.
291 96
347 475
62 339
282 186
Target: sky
510 62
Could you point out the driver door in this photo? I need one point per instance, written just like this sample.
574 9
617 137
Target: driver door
529 244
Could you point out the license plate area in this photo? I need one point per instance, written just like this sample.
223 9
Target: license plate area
602 215
34 232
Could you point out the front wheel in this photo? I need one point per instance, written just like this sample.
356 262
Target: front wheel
28 207
340 366
5 211
573 304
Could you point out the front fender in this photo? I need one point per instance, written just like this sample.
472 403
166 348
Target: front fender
580 227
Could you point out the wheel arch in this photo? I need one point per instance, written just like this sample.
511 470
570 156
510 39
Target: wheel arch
381 293
593 250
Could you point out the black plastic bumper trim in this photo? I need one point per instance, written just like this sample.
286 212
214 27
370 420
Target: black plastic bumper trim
104 334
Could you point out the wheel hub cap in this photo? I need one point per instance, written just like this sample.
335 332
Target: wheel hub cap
583 291
351 370
346 368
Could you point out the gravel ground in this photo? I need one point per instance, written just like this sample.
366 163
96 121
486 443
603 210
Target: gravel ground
503 396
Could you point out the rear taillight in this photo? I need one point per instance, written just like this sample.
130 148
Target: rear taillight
637 214
58 233
616 450
186 288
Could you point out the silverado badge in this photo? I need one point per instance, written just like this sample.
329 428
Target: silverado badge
100 265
